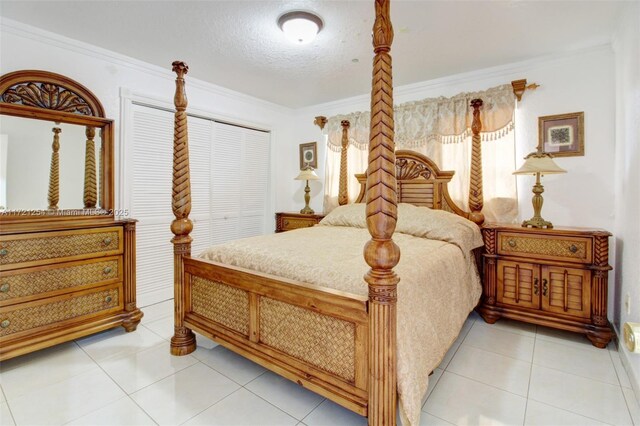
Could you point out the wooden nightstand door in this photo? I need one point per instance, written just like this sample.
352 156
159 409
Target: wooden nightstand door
566 291
519 284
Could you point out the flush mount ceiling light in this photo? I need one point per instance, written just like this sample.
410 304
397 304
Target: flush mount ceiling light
300 27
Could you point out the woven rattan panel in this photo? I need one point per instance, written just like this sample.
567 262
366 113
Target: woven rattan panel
512 244
325 342
17 251
30 283
221 303
295 223
48 313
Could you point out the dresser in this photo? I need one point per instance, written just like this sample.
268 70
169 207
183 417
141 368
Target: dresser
62 284
552 277
287 221
67 265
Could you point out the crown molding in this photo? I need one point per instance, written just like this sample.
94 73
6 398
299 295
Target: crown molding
19 29
507 70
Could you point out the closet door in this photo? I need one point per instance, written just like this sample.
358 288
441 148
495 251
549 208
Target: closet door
150 184
150 202
239 185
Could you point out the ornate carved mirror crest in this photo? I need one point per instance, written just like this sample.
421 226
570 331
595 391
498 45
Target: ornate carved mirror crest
42 89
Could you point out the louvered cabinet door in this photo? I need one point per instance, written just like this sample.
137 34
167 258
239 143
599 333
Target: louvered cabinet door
518 284
566 291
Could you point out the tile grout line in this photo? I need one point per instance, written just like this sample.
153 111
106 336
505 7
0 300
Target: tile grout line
215 403
485 384
616 370
279 409
526 404
127 395
6 401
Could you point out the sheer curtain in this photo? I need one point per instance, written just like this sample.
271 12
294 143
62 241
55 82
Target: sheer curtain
441 129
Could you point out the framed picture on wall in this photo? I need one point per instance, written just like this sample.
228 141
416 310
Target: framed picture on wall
562 135
308 155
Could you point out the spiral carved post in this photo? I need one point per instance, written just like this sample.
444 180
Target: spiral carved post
476 200
343 190
381 253
90 184
183 341
53 195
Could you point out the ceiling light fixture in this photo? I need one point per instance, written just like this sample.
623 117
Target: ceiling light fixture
300 27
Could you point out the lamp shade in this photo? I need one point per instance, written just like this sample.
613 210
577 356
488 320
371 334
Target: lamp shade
307 174
539 163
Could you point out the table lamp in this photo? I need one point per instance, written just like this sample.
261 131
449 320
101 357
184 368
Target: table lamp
307 174
538 163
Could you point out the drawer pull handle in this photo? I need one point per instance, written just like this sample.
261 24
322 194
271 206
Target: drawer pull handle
512 243
573 248
535 286
4 288
544 287
4 252
107 241
108 299
5 323
107 270
286 223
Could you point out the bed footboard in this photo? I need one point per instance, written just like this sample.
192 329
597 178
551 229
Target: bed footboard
315 337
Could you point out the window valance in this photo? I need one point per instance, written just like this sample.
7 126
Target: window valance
445 120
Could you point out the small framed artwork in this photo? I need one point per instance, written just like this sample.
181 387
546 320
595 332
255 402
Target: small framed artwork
308 155
562 135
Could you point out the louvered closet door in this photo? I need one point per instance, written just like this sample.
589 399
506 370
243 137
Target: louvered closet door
239 186
152 158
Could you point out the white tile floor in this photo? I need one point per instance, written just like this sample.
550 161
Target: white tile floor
504 374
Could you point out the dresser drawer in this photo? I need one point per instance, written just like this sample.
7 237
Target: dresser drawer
18 284
23 250
59 310
550 247
290 223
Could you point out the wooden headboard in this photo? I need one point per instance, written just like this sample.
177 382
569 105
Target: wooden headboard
419 182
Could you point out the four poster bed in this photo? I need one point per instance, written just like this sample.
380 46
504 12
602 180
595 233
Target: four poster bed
341 342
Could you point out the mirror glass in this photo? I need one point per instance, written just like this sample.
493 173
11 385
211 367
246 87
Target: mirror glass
26 151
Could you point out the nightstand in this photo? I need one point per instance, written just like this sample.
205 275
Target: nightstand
552 277
287 221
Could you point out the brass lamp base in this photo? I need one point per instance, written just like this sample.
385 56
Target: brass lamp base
307 210
307 198
537 222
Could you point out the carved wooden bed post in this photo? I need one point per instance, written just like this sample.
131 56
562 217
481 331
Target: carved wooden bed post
53 196
381 253
476 200
183 340
90 184
343 188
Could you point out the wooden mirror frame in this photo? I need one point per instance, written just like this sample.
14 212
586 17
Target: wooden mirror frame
44 95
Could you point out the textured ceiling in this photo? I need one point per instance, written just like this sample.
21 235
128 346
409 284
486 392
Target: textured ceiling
237 44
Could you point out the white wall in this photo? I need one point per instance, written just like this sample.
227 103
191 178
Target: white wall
627 179
105 73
